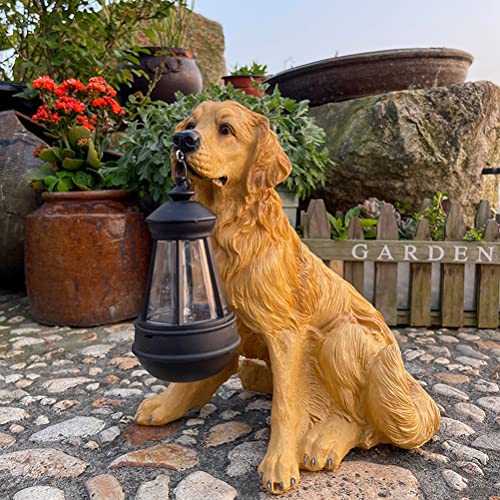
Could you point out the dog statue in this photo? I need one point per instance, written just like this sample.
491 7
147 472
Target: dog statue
331 362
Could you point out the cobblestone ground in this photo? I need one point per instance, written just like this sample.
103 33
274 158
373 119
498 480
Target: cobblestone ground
68 396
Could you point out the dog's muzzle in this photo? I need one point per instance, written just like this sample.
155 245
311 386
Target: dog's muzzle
188 141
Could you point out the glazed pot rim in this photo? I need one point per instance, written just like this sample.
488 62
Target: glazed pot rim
98 194
374 57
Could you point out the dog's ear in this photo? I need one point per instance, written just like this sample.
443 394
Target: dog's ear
271 165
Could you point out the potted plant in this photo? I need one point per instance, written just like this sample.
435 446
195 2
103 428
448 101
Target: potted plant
145 164
247 78
167 67
86 247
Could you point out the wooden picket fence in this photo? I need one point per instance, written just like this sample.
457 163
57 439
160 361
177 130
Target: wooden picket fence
438 273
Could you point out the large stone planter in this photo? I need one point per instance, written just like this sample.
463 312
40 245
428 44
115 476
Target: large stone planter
86 258
17 199
404 146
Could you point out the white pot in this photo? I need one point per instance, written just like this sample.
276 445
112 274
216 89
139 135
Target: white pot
290 203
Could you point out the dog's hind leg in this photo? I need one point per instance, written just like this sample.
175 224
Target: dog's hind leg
328 442
398 406
178 398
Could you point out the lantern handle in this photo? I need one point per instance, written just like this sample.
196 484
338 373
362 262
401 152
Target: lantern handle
181 190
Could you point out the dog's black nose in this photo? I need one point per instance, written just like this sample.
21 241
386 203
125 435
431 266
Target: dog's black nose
188 141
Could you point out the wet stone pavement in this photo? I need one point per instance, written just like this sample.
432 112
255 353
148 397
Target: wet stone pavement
68 397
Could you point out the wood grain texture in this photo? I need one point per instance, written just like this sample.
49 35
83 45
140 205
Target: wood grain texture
452 275
421 283
488 283
386 273
354 272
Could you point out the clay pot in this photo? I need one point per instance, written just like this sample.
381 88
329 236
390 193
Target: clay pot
244 83
179 73
86 258
372 73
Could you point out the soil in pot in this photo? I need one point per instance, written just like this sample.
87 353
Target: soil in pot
178 69
86 258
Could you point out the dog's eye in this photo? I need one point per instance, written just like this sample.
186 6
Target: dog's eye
225 129
190 125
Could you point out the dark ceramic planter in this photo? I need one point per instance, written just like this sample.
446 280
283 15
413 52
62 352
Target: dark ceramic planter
8 99
244 83
179 72
373 73
86 258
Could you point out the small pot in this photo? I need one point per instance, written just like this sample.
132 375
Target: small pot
178 69
244 83
86 258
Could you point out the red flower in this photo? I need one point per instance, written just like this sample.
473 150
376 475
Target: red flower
105 101
44 114
100 85
68 104
45 83
70 85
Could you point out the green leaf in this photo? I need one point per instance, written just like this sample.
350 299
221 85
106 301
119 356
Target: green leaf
92 156
40 173
77 133
83 181
50 155
67 153
72 163
64 185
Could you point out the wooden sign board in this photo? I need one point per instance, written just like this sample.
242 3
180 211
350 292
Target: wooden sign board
448 252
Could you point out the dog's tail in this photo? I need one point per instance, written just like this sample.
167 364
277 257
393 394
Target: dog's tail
398 406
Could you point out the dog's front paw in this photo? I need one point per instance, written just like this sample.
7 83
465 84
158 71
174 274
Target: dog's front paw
279 472
154 411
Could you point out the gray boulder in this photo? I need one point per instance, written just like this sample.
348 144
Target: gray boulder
17 199
404 146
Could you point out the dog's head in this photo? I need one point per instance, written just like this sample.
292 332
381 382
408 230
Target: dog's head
231 148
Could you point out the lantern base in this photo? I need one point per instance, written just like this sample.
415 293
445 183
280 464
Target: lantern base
186 355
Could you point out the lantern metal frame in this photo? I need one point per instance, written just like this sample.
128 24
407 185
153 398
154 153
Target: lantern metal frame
185 351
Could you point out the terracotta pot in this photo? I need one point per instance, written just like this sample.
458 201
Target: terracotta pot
86 258
372 73
244 83
179 73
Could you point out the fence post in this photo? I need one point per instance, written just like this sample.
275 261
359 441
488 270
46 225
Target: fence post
386 274
354 271
452 275
488 284
318 226
421 283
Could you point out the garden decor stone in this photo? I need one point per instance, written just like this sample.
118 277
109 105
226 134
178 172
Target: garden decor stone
404 146
17 199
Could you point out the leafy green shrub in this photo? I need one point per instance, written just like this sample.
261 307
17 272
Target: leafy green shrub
74 38
145 164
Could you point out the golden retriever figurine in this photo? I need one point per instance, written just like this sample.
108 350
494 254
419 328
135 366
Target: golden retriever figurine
333 365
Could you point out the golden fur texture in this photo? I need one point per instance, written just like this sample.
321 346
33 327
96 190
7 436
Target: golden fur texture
333 365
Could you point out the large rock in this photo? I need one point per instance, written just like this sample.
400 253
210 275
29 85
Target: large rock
17 199
404 146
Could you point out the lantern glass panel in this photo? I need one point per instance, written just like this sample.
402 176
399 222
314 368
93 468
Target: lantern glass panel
198 302
162 304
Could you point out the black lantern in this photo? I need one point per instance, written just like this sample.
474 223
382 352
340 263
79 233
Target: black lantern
186 331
